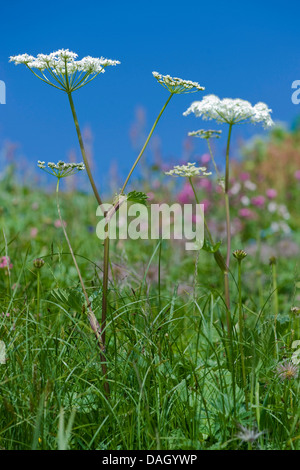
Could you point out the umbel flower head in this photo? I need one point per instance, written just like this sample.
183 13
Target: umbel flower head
205 134
61 169
230 111
61 69
188 171
177 85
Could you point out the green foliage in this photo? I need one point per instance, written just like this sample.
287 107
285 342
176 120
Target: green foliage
169 361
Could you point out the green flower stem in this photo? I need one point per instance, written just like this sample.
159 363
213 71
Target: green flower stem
146 143
227 209
213 160
91 316
38 295
106 242
105 282
276 308
223 266
87 166
241 332
202 215
99 200
221 263
217 255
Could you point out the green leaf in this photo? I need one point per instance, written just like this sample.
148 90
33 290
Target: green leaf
137 197
73 298
207 246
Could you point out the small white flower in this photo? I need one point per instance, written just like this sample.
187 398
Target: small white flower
275 227
61 169
272 207
245 200
235 188
188 171
230 111
282 210
249 185
177 85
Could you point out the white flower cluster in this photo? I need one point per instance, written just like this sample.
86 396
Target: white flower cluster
61 169
230 111
62 66
188 171
177 85
205 134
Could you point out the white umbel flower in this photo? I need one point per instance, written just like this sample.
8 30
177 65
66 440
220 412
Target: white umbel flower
205 134
61 169
188 171
177 85
230 111
61 69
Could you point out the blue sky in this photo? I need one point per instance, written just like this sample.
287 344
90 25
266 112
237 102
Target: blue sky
235 49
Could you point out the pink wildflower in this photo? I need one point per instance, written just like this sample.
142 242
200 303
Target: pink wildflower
258 201
186 195
246 213
150 196
206 204
271 193
57 223
33 232
297 175
5 262
205 183
244 176
205 158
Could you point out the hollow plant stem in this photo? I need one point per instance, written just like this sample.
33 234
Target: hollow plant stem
105 282
38 296
213 159
228 228
91 316
145 144
85 159
276 309
222 265
99 200
241 332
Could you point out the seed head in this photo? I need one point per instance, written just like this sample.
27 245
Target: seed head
287 371
38 263
239 254
248 435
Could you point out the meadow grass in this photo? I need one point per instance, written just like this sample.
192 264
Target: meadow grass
176 380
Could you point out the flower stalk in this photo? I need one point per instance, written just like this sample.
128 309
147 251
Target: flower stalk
146 143
98 331
240 255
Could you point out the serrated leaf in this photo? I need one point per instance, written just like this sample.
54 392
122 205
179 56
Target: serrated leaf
138 197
